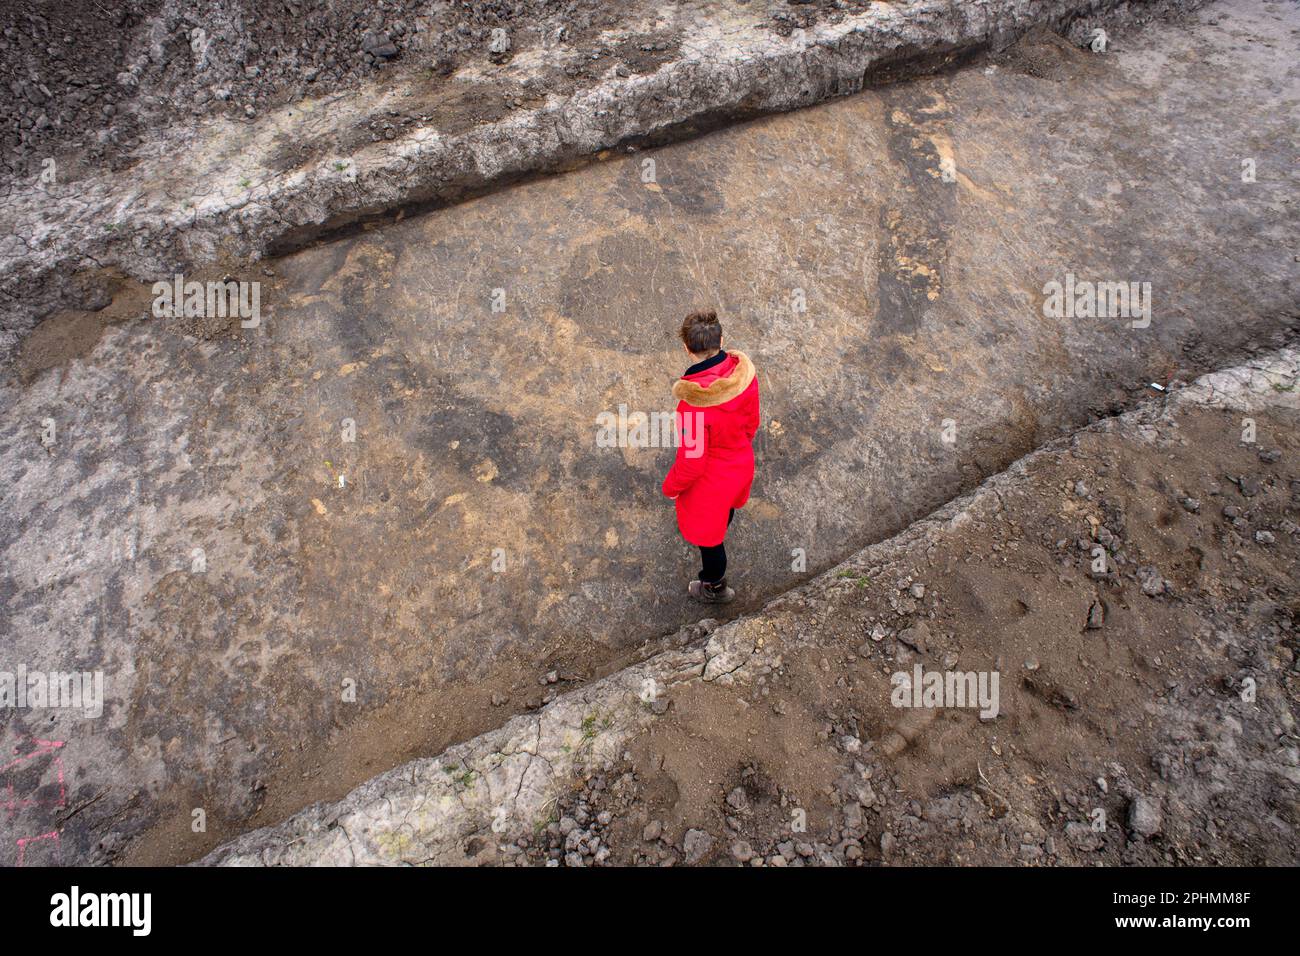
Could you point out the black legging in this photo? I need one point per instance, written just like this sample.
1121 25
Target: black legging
715 558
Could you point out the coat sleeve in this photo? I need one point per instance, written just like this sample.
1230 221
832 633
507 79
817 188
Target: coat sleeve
752 416
689 463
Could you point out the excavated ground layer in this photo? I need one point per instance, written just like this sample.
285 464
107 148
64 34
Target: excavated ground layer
1140 719
282 612
229 188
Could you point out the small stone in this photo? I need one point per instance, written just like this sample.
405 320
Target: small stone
1264 537
1096 616
653 831
1153 585
378 45
742 851
696 845
1144 817
917 637
1082 837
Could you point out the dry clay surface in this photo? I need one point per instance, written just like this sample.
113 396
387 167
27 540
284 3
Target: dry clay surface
304 128
1145 709
361 603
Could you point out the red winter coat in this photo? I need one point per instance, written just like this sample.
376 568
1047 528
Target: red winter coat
717 418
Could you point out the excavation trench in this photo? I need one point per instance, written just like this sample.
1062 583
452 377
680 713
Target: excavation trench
907 64
371 526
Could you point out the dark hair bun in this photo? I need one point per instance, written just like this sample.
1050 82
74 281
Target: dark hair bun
702 332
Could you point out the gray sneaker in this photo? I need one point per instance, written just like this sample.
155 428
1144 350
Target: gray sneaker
711 593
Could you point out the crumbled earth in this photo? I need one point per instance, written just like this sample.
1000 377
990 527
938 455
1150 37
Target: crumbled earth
92 78
1147 712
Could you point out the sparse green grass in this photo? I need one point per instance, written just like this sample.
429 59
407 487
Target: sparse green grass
464 777
592 724
551 816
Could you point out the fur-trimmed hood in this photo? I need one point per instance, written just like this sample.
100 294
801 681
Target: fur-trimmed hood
720 390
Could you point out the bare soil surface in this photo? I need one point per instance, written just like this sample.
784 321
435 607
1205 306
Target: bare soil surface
221 142
281 611
1147 713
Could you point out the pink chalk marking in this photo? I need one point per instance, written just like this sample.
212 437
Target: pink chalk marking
13 805
42 747
23 841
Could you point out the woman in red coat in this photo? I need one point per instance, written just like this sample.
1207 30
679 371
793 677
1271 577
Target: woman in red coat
717 418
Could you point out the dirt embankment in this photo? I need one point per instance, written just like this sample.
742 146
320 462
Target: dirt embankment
1146 713
191 134
89 81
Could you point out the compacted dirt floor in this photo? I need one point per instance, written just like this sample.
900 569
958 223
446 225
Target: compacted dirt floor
371 526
